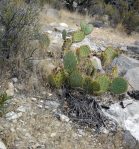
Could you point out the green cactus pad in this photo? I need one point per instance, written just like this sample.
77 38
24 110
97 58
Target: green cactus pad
87 85
64 34
75 79
119 86
70 61
67 44
90 86
83 25
108 55
57 79
86 28
44 41
78 36
104 83
83 51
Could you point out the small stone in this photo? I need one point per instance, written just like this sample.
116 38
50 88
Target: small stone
12 115
34 99
15 80
49 94
64 25
49 32
81 132
64 118
22 109
51 105
53 135
10 90
40 106
2 145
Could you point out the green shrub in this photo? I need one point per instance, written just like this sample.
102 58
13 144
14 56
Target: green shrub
18 27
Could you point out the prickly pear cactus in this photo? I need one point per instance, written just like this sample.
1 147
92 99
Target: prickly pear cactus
86 28
78 36
83 51
108 55
44 41
104 83
75 79
64 34
70 61
67 44
57 79
119 86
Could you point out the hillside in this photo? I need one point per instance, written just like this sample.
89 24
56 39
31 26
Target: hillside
40 116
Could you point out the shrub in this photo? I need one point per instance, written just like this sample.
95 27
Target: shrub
18 24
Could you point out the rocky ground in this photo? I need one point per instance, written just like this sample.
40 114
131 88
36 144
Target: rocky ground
36 122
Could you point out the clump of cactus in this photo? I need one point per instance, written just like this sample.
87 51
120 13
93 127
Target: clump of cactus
119 86
78 36
80 70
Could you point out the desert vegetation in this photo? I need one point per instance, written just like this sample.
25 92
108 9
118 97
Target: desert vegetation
59 65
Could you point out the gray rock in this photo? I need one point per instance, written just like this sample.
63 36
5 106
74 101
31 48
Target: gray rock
51 105
133 48
136 43
125 63
12 115
64 118
53 13
127 102
22 109
15 80
97 24
128 118
130 141
96 62
86 41
132 76
2 145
